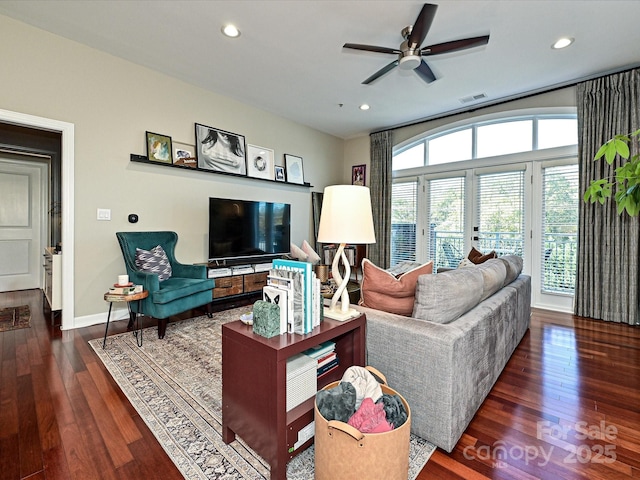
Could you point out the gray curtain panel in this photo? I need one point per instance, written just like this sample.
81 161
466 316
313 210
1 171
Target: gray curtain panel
380 187
607 270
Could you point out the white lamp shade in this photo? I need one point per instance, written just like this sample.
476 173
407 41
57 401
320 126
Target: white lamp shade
346 215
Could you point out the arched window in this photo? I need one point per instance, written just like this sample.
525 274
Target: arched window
489 139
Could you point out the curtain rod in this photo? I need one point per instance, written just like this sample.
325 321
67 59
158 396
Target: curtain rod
500 101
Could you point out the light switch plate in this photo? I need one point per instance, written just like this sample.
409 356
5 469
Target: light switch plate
104 214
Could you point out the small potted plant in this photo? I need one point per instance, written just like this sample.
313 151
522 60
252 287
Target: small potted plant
625 187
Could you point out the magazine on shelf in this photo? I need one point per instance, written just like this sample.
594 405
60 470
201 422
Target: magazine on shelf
296 287
321 350
327 359
285 284
306 286
278 296
324 369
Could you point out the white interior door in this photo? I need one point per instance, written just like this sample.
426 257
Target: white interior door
22 193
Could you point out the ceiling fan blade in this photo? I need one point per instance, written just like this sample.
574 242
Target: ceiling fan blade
422 25
371 48
381 72
455 45
424 72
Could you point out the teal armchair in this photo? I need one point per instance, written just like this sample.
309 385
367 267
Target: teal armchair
188 286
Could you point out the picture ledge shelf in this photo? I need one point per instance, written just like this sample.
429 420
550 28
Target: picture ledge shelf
144 159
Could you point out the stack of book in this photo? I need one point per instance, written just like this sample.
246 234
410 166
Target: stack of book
325 356
126 290
293 285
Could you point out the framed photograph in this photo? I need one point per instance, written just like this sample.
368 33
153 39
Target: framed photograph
359 175
260 162
184 155
159 148
220 151
295 173
279 173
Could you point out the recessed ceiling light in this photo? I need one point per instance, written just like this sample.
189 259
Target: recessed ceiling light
231 31
364 106
562 43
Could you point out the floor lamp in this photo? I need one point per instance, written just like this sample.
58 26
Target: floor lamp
345 218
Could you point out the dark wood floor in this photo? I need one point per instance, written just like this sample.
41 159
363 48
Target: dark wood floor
566 406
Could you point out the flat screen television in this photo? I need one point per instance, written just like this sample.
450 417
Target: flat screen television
243 229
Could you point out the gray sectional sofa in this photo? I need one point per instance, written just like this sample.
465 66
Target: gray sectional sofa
446 361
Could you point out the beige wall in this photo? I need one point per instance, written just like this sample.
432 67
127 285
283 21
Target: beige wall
112 103
565 97
356 150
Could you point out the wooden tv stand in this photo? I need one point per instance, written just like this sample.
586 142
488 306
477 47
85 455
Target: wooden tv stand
238 288
254 385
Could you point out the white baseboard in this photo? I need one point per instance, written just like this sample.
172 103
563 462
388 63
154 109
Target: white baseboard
97 318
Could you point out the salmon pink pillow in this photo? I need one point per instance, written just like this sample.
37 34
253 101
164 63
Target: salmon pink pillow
381 290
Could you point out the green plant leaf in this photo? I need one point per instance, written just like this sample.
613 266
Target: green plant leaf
621 148
602 150
626 187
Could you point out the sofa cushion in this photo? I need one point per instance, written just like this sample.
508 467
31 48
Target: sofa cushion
514 267
444 297
381 290
154 261
494 273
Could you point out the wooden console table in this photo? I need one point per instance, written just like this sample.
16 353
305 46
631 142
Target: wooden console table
254 385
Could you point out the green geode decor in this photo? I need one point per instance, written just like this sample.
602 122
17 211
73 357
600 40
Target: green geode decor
266 319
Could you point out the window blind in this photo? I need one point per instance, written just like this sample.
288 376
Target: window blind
404 215
446 221
560 228
500 213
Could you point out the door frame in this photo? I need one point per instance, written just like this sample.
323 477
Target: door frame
67 131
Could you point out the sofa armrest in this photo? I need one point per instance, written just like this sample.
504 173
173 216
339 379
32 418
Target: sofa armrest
149 281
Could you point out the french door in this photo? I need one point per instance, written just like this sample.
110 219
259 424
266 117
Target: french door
527 209
481 208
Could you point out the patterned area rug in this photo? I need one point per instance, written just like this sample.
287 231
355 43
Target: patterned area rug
175 384
12 318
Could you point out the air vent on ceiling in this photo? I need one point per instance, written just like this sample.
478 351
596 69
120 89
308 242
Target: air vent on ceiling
473 98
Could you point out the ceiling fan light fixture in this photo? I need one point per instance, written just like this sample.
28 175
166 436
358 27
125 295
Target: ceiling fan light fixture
563 42
409 62
364 106
230 31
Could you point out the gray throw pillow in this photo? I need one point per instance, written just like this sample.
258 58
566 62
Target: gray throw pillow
444 297
154 261
514 267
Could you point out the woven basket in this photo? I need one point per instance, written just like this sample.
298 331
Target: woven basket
343 452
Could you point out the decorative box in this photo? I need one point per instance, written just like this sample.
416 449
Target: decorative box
302 379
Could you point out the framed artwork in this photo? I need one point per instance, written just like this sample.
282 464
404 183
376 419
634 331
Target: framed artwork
295 173
220 151
260 162
279 173
359 175
159 148
184 155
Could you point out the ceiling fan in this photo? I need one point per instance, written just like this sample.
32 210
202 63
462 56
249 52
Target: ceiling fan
410 55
